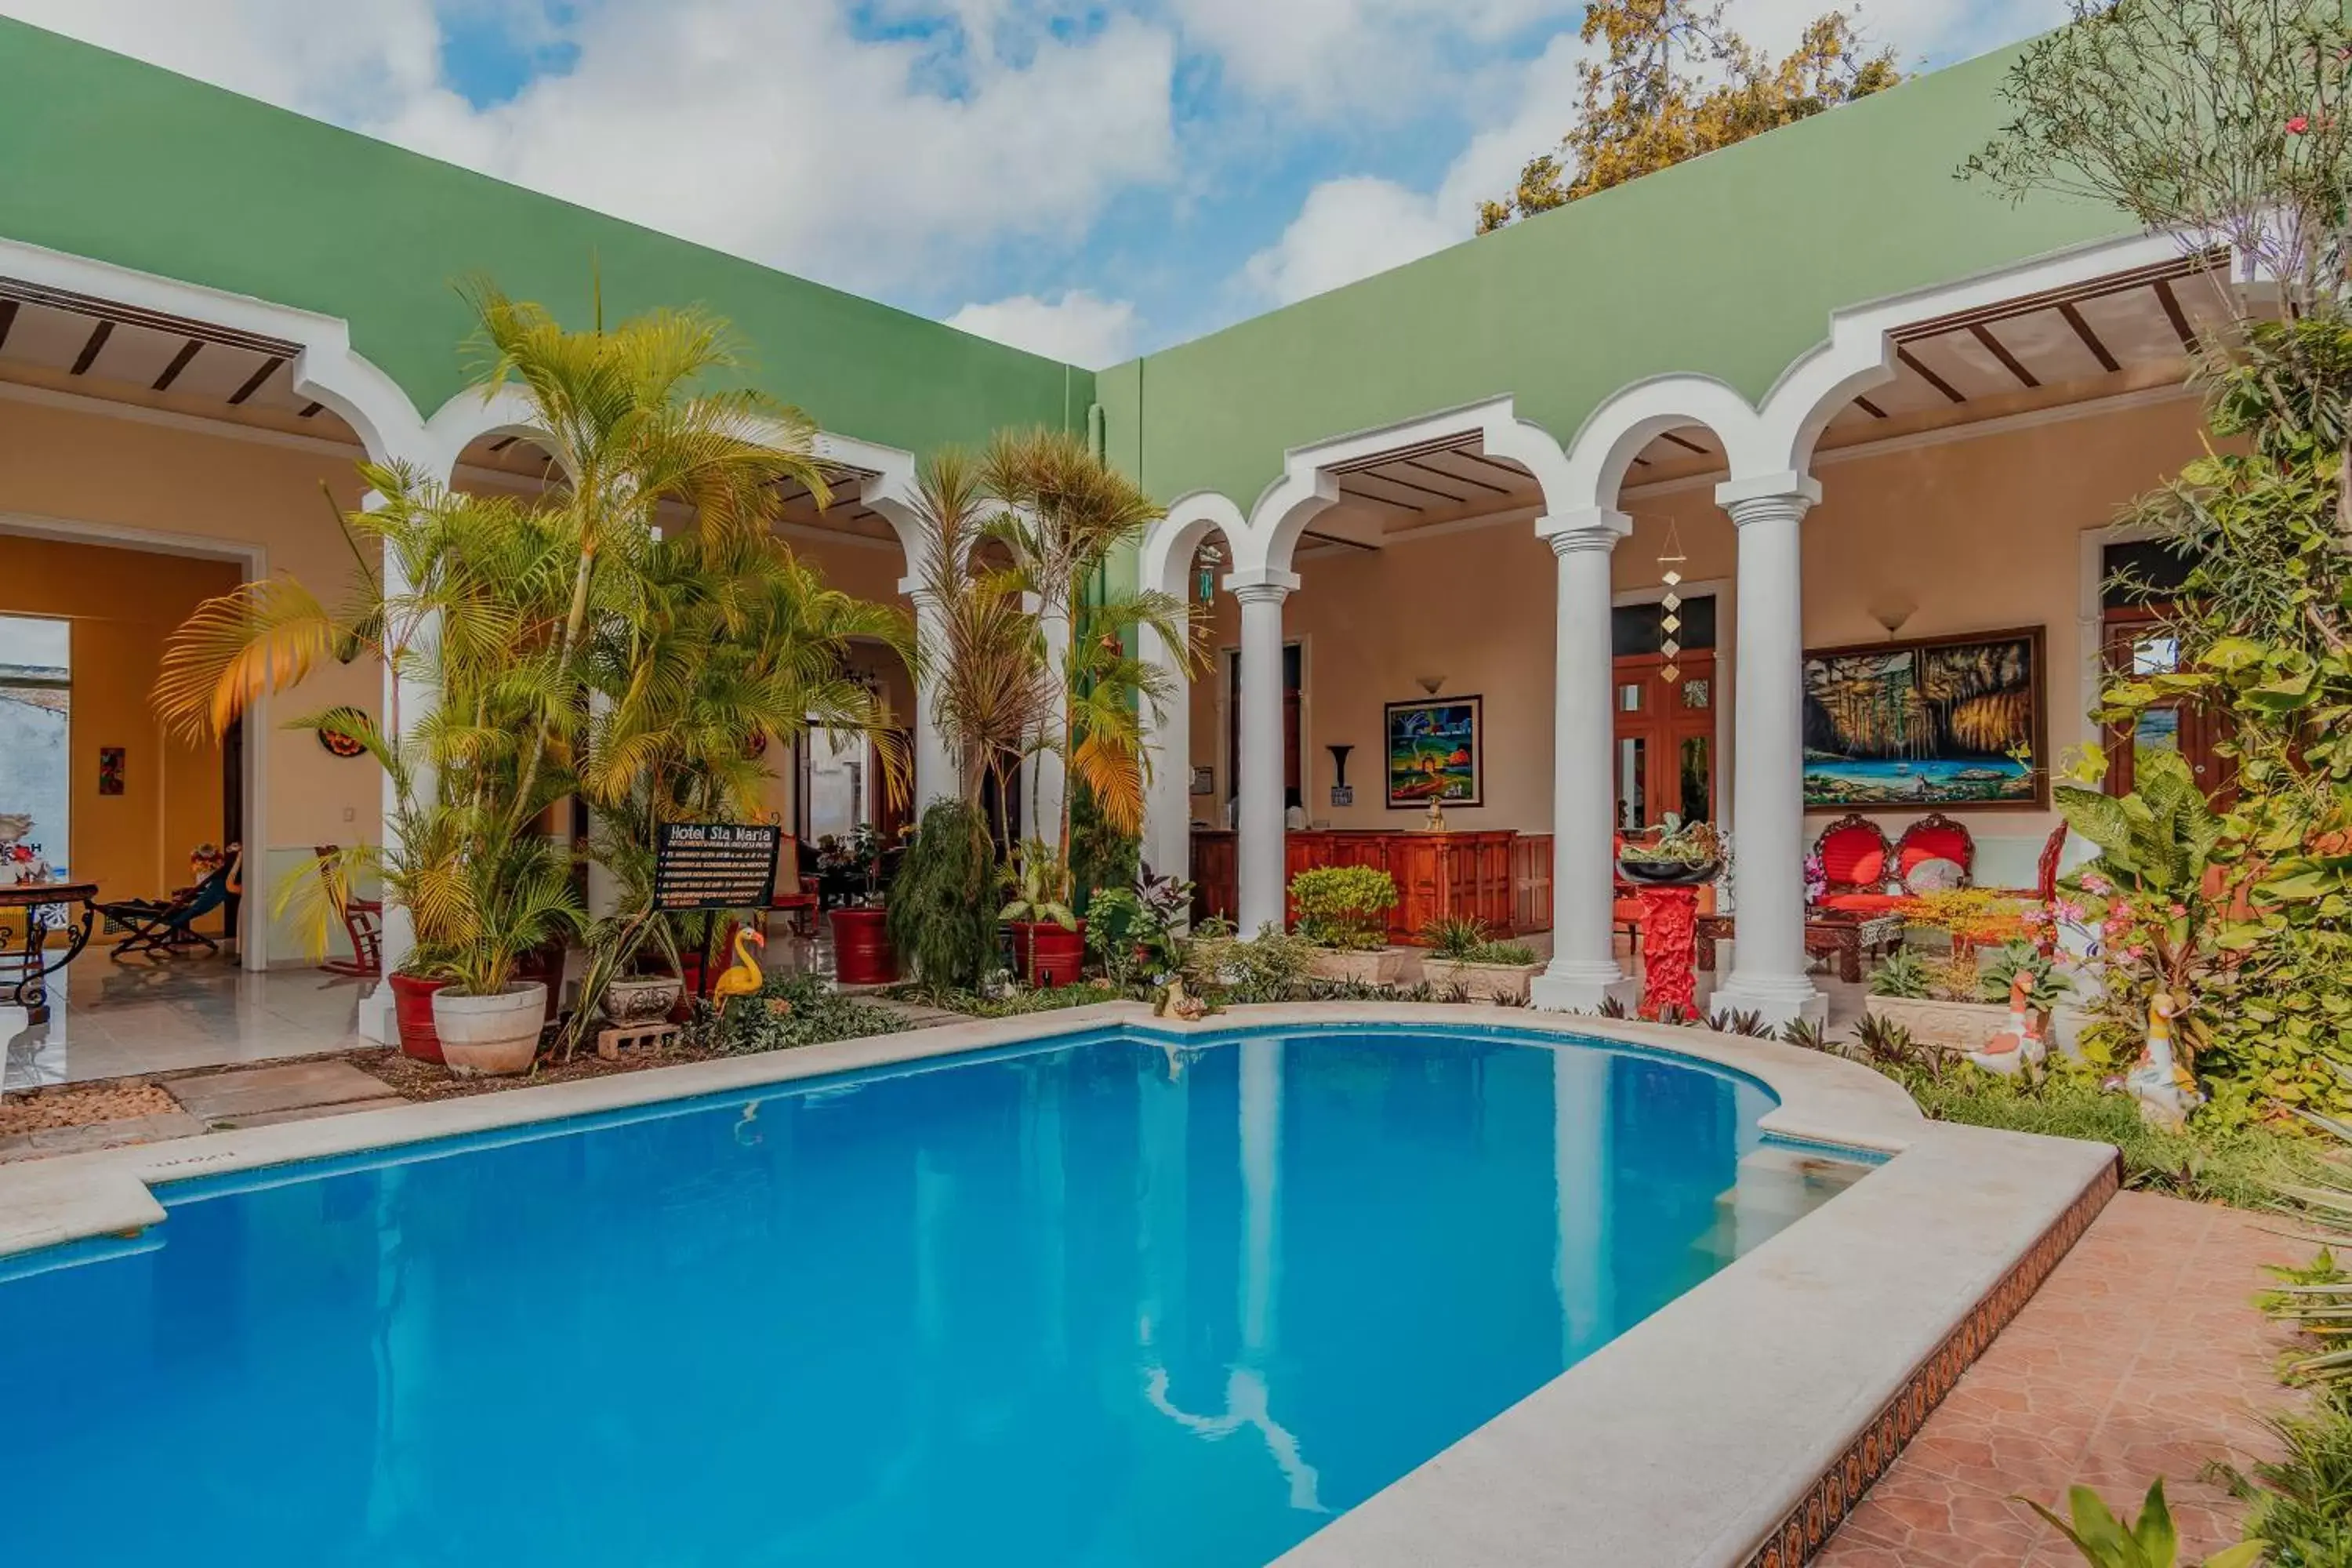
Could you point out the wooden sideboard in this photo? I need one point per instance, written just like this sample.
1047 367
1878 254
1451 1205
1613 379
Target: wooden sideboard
1501 878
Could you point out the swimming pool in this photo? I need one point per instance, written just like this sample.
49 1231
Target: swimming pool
1106 1299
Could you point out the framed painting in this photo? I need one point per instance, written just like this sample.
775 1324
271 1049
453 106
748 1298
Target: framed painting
1436 751
1952 723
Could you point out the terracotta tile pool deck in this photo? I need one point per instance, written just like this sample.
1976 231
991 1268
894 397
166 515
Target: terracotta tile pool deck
2143 1355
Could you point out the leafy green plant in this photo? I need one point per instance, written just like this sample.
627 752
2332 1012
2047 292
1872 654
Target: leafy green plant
1805 1035
1138 931
1517 954
791 1010
2152 1542
1747 1023
1038 885
1884 1044
941 903
1901 973
2046 988
1455 936
2298 1498
1676 843
1344 906
1271 967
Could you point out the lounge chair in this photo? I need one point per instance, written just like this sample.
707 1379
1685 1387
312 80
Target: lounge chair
166 927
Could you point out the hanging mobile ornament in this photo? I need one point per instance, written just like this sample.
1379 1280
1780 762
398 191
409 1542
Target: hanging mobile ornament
1670 561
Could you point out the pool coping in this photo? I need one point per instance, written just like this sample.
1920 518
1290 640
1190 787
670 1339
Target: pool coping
1731 1429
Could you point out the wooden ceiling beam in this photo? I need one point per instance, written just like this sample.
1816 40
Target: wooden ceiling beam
2175 315
88 356
1867 407
1918 368
179 363
2000 351
253 382
2108 361
1457 478
7 319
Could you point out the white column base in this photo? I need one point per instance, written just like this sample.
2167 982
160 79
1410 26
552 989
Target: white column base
1778 1001
376 1020
1570 985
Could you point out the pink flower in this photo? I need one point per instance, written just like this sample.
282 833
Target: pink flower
2298 125
2179 910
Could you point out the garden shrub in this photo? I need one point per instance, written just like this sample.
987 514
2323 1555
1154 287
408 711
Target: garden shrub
942 905
1344 906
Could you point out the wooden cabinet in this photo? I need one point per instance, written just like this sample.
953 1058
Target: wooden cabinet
1216 873
1502 879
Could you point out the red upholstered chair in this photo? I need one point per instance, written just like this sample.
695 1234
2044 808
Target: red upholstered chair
1856 861
1935 837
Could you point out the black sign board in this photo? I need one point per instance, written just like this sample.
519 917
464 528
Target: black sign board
716 866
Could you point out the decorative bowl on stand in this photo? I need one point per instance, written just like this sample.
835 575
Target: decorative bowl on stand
1670 873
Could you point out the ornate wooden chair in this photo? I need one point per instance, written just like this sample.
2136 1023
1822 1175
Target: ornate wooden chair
1856 861
1935 837
363 923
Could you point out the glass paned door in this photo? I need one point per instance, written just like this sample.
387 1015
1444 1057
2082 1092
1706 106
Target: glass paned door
35 730
833 796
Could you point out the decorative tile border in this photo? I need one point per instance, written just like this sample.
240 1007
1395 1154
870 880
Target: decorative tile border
1872 1454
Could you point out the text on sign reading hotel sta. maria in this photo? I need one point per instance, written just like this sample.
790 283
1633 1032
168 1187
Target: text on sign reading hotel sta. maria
716 866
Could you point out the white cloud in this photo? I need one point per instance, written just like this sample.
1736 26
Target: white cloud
1351 227
1330 55
1079 328
764 127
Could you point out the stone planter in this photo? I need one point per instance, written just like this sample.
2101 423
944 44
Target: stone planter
496 1036
1484 982
1369 966
637 999
1947 1025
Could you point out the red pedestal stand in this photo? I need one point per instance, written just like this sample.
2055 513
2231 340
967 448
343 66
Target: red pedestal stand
1669 948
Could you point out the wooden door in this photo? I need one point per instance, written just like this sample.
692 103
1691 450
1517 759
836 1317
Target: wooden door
1664 761
2138 645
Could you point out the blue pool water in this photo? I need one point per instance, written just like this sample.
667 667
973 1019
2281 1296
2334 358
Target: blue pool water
1095 1303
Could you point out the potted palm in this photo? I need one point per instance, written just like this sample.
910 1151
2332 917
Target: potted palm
1049 940
516 895
861 928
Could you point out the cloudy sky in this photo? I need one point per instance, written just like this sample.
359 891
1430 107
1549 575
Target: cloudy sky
1087 178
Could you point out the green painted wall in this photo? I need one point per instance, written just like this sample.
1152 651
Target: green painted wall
1728 266
111 158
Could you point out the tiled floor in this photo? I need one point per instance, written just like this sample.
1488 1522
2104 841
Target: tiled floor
157 1015
2142 1356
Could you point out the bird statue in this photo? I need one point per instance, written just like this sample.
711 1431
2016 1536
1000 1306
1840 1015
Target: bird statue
2167 1094
743 977
2018 1046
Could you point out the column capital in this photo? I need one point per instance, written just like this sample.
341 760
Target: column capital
1260 584
1584 528
1769 496
915 588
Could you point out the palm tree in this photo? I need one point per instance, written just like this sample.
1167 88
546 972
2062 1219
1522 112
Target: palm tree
1064 514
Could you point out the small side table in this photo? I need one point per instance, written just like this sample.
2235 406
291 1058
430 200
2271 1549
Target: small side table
27 987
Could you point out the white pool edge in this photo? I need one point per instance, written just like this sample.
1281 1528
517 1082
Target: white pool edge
1688 1442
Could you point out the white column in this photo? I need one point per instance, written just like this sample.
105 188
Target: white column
1261 591
1261 1136
1768 973
1167 748
412 697
1583 972
1047 782
935 766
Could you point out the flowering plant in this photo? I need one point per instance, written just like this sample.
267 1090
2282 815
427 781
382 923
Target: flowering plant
1817 878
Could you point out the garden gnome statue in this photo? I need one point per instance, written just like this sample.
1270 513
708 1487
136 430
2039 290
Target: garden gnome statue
2019 1046
2167 1094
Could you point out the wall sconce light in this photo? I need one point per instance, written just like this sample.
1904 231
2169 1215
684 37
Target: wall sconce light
1429 683
1893 617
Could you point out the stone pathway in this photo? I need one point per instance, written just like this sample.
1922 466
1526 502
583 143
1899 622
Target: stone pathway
255 1097
2142 1356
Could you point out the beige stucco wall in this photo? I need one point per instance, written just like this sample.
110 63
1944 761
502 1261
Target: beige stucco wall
63 464
1964 535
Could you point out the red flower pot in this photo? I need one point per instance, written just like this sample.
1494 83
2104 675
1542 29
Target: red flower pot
411 1010
1044 954
862 954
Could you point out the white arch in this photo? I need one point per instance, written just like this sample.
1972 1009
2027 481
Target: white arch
326 369
1167 557
1307 486
1859 353
1616 432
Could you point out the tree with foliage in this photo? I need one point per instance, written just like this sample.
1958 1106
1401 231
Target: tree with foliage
1678 83
2224 122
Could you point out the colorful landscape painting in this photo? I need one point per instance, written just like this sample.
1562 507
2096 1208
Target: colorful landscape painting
1951 722
1433 752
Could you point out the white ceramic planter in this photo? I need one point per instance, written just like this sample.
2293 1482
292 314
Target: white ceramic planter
641 998
496 1036
1947 1025
1484 982
1372 966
